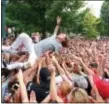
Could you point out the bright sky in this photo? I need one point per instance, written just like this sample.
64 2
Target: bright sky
95 7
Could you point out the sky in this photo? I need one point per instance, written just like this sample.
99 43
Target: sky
95 7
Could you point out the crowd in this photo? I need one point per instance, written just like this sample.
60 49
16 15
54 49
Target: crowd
56 69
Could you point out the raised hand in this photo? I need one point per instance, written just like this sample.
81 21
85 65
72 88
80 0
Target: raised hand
58 19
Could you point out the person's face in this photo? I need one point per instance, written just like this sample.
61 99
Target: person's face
62 37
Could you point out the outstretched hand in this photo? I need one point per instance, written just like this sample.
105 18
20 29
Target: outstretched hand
58 19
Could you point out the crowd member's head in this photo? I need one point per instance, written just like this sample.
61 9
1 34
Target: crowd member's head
36 37
65 88
63 38
93 66
79 95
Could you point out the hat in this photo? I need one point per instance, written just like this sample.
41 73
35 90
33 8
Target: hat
80 81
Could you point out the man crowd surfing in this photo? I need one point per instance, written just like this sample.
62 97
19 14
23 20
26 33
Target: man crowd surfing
54 70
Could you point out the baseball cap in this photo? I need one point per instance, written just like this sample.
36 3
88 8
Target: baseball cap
80 81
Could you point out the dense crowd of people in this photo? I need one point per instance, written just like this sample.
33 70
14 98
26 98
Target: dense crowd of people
56 69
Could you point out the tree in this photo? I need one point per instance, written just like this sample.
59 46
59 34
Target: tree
40 15
105 18
90 23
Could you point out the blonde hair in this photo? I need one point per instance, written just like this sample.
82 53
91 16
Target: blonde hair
65 88
79 95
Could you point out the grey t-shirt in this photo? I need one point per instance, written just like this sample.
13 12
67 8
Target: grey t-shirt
80 80
47 44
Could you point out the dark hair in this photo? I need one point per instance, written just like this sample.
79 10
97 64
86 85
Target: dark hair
5 72
94 65
65 43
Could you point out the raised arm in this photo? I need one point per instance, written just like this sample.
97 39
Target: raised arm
96 57
101 64
30 73
60 69
23 90
57 26
66 72
53 91
38 72
85 68
94 88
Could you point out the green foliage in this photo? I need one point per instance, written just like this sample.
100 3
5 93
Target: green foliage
90 25
40 15
105 18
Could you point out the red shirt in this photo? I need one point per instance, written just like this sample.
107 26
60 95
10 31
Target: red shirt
102 86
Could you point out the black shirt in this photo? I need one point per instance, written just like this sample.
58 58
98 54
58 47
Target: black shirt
40 91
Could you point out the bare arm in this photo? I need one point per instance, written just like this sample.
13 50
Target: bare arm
97 95
23 90
38 73
57 26
29 73
66 72
22 58
53 91
61 71
32 97
86 69
101 65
